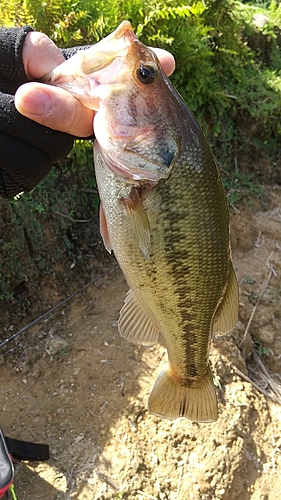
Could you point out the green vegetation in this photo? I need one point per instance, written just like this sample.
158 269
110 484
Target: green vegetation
228 56
240 186
41 231
261 350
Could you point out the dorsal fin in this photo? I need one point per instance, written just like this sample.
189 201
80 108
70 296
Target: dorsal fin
227 313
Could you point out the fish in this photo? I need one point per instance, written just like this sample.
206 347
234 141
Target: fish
163 213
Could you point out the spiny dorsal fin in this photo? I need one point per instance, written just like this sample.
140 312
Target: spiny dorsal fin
227 313
134 323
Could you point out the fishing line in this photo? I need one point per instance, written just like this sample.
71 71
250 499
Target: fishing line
50 311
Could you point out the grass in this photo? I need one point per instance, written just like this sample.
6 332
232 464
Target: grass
241 186
261 350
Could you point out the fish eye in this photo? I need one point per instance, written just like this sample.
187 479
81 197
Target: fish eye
146 74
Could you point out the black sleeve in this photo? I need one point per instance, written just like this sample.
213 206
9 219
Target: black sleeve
27 149
67 53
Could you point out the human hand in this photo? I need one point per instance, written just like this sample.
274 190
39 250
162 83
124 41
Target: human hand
33 138
52 106
27 149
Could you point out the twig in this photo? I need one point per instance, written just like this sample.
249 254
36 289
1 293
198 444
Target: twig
256 305
70 218
234 208
269 379
247 379
277 244
146 495
263 391
270 266
256 244
179 482
261 381
108 480
22 330
90 411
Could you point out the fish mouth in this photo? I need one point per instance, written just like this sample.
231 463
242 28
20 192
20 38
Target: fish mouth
122 37
84 72
104 52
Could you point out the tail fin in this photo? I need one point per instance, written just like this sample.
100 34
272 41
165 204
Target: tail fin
170 399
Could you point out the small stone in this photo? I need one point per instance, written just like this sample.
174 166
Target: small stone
265 334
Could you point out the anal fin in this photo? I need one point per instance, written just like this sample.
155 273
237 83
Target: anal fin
227 313
134 323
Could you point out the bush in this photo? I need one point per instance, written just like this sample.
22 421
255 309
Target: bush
228 65
228 57
51 228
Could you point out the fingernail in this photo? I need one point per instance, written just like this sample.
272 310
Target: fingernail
32 101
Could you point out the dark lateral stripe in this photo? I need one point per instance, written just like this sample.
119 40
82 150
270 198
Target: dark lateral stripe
196 256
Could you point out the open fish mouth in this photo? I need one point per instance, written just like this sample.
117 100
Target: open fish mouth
111 53
163 214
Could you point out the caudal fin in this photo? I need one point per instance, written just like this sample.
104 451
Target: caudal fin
169 399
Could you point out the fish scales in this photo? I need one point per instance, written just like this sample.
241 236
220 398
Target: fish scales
163 213
173 292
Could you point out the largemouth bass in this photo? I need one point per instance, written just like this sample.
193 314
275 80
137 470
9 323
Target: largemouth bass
163 212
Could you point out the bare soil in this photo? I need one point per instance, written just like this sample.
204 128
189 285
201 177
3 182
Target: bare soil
72 382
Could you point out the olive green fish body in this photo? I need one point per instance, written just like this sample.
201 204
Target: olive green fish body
182 282
163 213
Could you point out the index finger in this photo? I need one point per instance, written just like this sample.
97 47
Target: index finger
166 59
40 55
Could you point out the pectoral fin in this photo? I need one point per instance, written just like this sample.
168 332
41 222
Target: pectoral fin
134 323
104 230
227 312
139 221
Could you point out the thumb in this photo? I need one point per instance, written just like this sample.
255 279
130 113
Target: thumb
55 108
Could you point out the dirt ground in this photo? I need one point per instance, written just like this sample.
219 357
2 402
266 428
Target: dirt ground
72 382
